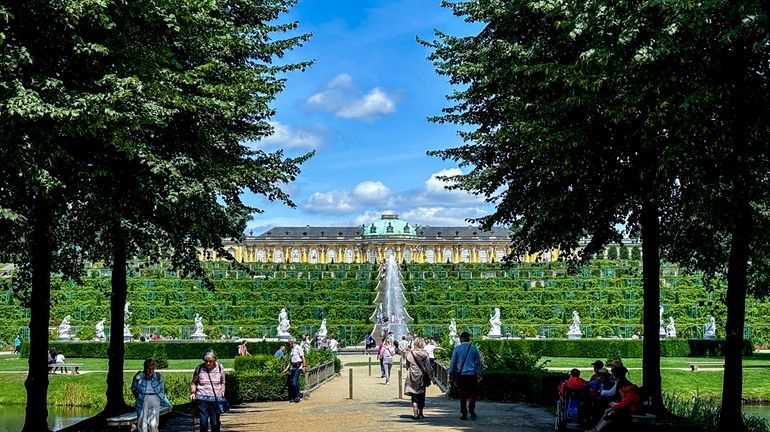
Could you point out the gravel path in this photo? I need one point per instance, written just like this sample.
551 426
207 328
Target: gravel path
376 406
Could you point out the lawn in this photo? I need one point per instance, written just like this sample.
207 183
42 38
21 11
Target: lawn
679 380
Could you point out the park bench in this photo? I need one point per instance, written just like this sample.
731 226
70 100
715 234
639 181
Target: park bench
129 419
695 365
64 366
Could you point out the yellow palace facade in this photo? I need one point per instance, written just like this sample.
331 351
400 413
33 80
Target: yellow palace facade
374 243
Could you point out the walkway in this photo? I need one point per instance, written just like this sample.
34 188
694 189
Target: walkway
376 406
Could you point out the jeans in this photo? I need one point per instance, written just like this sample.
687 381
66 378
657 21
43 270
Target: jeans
209 412
388 364
294 391
382 367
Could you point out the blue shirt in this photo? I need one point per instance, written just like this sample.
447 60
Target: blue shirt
17 342
278 354
472 364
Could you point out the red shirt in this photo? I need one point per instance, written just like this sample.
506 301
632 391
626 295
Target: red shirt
630 399
574 384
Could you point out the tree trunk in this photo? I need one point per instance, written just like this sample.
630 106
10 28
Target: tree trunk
730 417
36 418
116 351
651 379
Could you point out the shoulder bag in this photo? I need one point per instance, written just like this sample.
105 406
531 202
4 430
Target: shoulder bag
222 403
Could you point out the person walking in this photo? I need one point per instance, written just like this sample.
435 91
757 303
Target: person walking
386 354
17 345
150 393
242 349
465 371
208 386
418 376
297 365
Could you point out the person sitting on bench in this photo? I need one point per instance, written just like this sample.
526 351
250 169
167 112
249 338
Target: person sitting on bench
620 412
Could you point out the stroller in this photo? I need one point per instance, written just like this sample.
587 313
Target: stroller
571 409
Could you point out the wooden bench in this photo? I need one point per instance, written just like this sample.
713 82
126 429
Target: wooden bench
695 365
129 419
65 366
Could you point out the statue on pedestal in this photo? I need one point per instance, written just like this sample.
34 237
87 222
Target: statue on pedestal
662 330
283 323
322 330
100 329
65 330
574 329
126 327
198 328
670 329
710 328
494 324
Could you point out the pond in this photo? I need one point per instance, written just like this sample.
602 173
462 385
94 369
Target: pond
12 416
757 410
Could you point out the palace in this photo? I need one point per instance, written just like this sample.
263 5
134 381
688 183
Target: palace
374 243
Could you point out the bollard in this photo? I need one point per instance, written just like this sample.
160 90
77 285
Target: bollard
370 366
400 383
350 382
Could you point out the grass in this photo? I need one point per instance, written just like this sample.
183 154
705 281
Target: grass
679 381
15 363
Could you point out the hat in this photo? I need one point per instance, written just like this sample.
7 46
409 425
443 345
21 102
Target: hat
617 363
291 339
603 370
598 363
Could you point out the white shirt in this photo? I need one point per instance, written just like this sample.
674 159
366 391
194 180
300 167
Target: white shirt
429 349
296 354
334 345
59 358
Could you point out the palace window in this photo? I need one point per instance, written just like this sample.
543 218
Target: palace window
349 256
483 256
277 256
499 255
331 256
313 256
408 255
295 255
430 256
372 256
465 255
260 255
447 255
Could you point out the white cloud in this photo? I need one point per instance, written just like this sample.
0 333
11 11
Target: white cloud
331 202
371 191
342 99
435 185
287 137
341 80
442 216
374 104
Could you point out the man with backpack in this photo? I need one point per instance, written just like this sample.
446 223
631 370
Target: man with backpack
465 372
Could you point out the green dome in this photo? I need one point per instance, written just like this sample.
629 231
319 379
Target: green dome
389 226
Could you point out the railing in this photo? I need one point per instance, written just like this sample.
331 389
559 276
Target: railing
441 376
317 376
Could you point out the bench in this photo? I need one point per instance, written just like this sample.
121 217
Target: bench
63 367
129 419
694 366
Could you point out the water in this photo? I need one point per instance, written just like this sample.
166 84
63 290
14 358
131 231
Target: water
394 295
12 416
757 410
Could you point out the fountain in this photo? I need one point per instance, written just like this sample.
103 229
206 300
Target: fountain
394 296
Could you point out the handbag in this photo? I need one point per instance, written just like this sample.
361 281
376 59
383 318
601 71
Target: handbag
222 403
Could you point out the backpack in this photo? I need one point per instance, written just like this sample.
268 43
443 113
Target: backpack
398 350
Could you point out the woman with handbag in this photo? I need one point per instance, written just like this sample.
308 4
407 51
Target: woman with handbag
418 376
150 393
386 355
208 390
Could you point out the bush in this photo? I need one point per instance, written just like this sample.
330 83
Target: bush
251 386
142 350
537 386
258 363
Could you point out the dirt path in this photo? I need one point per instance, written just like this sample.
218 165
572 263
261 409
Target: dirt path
376 406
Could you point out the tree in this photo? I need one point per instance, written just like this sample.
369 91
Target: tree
569 137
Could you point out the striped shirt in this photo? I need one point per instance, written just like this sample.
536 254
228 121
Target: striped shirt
203 387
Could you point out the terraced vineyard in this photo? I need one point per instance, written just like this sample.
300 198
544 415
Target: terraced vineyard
535 299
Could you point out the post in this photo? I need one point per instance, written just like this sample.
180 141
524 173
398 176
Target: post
400 383
370 365
350 382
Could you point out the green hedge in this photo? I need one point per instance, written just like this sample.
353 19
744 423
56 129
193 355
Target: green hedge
540 387
253 386
172 349
603 348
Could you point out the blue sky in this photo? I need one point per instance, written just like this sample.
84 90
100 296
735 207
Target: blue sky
363 108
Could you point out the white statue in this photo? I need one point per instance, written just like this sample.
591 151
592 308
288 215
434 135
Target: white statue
198 327
662 330
574 329
65 330
670 328
710 328
283 323
100 329
494 324
126 328
452 329
322 330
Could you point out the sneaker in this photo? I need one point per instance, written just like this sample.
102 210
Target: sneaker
473 415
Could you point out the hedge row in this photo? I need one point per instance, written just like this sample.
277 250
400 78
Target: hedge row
539 387
172 349
606 348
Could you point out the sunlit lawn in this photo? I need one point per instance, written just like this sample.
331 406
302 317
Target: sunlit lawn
679 380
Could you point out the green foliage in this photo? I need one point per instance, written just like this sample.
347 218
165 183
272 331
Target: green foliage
612 253
636 253
259 363
161 359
